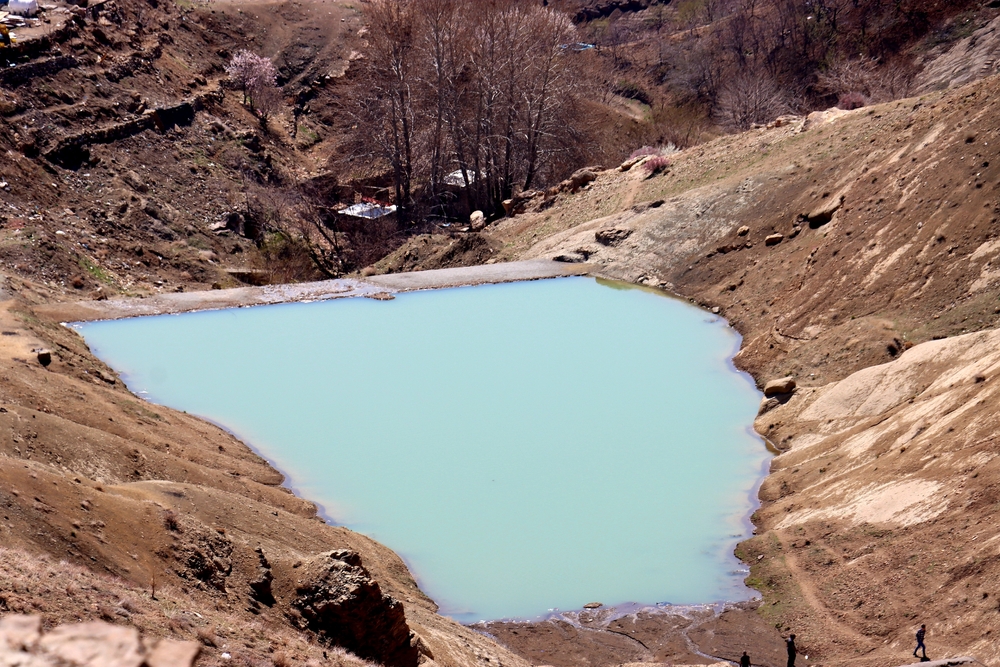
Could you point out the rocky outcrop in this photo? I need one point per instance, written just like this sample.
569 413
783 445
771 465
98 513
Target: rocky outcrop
13 77
611 237
338 600
203 555
260 587
94 644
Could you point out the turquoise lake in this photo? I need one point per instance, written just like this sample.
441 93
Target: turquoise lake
525 447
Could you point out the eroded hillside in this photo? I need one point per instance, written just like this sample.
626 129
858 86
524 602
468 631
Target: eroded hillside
857 252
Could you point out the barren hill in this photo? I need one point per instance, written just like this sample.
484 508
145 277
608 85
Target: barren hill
856 251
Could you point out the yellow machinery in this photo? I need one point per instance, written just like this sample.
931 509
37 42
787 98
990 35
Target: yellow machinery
4 35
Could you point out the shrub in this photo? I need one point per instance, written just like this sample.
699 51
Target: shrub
171 521
656 164
852 100
668 149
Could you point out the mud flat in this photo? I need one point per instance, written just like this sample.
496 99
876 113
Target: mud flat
375 286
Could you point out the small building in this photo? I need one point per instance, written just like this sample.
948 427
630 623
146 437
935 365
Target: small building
457 178
23 7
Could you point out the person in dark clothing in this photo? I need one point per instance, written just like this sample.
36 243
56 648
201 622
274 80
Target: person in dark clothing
920 641
745 660
790 643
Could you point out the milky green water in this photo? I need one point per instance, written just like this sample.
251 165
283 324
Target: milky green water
524 447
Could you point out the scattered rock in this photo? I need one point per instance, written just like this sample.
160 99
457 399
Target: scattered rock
381 296
519 203
339 601
612 237
716 310
785 385
77 281
631 162
774 239
107 377
647 205
743 231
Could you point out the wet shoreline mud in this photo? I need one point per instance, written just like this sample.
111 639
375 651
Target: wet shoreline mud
664 634
382 286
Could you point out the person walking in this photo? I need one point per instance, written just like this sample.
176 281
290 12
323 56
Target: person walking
790 644
745 660
920 641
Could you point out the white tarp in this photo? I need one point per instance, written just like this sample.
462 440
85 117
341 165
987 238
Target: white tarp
370 211
23 7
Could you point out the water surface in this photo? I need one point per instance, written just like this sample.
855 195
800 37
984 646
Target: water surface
524 447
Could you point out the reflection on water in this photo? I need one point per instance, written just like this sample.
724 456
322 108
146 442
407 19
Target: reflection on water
525 446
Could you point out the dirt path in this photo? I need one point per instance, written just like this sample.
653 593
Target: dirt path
633 190
830 621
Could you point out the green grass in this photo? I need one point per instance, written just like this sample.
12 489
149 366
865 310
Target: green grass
96 272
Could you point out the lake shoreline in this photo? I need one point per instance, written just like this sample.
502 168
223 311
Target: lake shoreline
382 286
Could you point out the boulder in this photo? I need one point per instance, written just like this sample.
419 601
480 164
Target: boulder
477 220
173 653
823 213
338 600
743 231
785 385
612 237
579 179
571 258
631 162
593 605
774 239
94 644
19 632
44 356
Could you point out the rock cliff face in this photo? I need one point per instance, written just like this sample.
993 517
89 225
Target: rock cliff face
338 600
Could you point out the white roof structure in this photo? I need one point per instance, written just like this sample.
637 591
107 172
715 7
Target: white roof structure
23 7
369 211
456 178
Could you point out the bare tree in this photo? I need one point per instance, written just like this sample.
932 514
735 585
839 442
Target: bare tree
750 98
